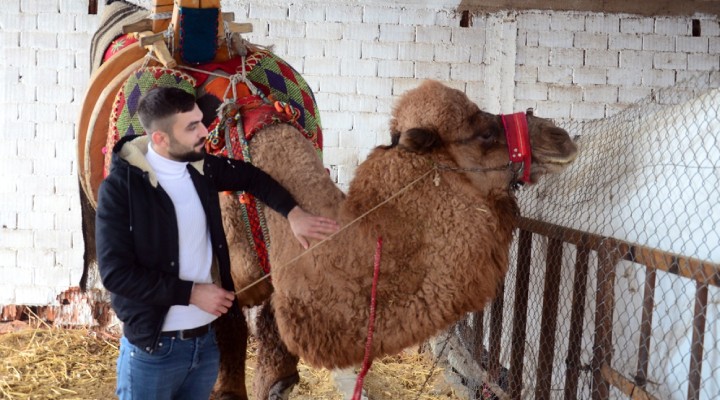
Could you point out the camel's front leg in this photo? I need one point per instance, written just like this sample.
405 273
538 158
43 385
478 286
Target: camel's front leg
276 372
232 334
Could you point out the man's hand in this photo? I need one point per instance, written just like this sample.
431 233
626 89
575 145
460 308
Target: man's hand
212 299
305 225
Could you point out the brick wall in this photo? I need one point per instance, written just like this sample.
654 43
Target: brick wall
357 58
44 48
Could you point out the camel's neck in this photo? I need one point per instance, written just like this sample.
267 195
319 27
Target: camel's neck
392 173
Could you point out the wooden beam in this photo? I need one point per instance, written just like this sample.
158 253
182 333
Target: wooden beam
548 324
140 26
688 267
647 8
522 285
147 39
572 362
625 385
646 326
156 43
608 257
477 350
495 339
236 27
698 337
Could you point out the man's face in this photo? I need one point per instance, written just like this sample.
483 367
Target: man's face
187 139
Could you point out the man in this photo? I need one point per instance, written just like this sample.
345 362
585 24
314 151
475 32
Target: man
160 244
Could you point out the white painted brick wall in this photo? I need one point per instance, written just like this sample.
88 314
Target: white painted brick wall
395 69
346 49
286 29
14 275
672 26
637 25
382 15
703 62
360 31
692 44
567 22
415 51
658 43
670 61
357 103
358 67
417 17
567 57
624 76
396 33
299 12
433 34
625 41
555 39
357 57
32 259
601 58
344 13
381 51
589 76
632 94
658 78
587 110
590 40
324 31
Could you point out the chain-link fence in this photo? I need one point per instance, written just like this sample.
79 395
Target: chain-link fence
613 288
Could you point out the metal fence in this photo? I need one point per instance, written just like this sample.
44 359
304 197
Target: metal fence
614 285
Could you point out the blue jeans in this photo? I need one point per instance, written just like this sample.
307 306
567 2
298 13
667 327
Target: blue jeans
177 369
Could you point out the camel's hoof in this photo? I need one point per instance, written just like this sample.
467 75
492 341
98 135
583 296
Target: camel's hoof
280 390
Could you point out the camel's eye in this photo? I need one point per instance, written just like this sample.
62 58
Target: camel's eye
486 127
483 130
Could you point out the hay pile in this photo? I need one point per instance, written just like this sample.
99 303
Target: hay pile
53 363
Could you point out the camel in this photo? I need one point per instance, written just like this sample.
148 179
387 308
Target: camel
444 190
445 215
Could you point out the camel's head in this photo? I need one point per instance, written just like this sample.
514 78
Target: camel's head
438 120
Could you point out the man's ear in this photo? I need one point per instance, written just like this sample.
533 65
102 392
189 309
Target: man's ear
159 138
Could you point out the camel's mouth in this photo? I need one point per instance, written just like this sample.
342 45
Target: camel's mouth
549 164
556 160
559 156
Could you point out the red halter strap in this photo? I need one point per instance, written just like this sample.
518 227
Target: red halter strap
518 141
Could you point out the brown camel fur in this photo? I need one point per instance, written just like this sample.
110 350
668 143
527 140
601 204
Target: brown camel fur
446 236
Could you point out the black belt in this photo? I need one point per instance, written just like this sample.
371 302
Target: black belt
186 334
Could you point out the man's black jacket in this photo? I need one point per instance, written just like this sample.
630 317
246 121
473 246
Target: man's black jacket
137 233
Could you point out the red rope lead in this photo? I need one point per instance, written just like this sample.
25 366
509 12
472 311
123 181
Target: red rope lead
367 361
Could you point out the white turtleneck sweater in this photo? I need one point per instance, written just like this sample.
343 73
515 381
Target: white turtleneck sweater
195 246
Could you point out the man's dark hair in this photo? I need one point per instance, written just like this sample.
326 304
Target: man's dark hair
160 104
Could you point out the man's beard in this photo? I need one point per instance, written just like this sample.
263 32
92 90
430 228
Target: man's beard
188 156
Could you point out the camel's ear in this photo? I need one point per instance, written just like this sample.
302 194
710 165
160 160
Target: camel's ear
419 140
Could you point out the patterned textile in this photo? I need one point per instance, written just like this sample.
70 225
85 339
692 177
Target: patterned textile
114 16
238 123
123 118
117 45
277 81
